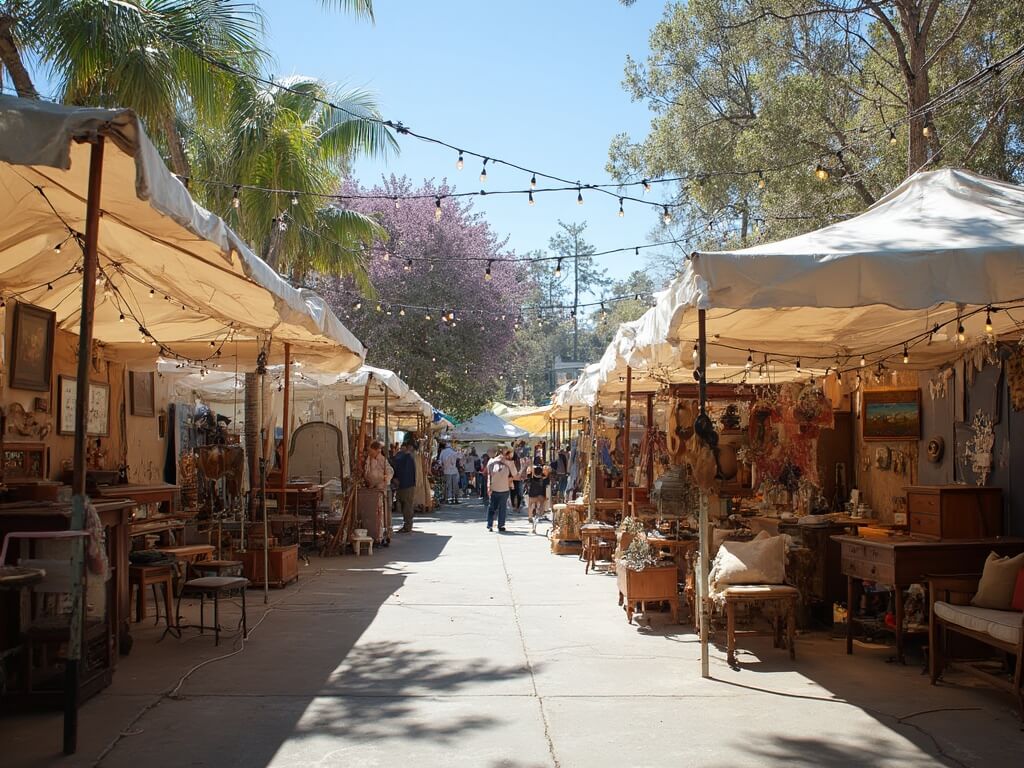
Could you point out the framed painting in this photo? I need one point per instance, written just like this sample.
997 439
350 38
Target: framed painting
32 348
893 414
99 408
140 388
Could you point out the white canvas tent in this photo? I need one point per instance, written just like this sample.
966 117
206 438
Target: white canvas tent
154 242
943 245
487 427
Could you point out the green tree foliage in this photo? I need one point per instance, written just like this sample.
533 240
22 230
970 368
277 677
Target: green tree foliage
779 87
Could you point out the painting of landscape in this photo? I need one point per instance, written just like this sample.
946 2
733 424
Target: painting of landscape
892 415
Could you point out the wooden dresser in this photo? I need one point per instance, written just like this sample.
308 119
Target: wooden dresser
900 561
954 511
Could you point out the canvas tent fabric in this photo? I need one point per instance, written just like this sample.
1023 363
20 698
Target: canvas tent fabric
152 236
933 252
486 426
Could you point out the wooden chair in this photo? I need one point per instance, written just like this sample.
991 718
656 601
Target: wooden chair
598 543
784 600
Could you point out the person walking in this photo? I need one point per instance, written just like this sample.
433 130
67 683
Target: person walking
519 466
537 493
449 459
405 478
499 481
481 478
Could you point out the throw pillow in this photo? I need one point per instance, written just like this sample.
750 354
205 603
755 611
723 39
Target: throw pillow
995 590
1018 593
760 561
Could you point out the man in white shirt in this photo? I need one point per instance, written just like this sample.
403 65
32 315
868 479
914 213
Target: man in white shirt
499 481
449 459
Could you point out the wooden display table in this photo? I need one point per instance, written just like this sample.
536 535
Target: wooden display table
899 561
653 584
598 543
283 565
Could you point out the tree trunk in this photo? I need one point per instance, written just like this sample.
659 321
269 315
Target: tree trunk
175 145
11 58
251 435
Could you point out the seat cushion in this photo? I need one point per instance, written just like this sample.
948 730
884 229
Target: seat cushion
760 591
761 561
216 583
1002 625
998 579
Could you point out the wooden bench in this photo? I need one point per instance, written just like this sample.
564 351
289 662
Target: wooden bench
951 612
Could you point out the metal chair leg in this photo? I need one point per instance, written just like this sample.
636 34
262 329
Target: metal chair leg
216 618
245 627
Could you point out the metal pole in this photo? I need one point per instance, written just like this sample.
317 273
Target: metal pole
262 370
282 499
703 531
592 496
626 461
90 265
650 430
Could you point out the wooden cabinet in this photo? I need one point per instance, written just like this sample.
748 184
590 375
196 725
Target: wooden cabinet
955 511
283 565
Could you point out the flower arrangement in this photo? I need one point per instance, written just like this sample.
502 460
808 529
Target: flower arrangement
639 555
978 450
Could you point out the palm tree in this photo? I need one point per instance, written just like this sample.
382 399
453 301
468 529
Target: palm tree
284 150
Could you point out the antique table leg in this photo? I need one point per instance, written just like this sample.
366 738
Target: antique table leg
849 615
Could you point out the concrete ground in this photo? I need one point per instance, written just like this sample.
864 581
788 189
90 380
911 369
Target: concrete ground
460 647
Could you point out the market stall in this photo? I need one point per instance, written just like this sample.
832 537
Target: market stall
106 263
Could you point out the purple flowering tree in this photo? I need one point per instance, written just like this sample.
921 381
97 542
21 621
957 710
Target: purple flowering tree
428 269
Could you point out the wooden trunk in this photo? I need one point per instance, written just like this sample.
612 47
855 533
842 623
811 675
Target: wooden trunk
654 584
283 565
955 511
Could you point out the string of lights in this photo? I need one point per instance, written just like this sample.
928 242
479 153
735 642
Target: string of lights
954 93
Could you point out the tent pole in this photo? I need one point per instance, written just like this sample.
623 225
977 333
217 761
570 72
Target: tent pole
704 533
626 459
90 265
282 503
592 496
650 428
262 370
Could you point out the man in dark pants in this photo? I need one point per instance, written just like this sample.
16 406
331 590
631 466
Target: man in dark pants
405 476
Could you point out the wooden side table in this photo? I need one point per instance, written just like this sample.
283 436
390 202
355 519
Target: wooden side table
598 543
142 576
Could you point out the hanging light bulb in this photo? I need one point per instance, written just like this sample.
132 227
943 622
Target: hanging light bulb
437 209
533 181
120 318
142 334
892 136
579 196
863 361
647 185
762 182
451 316
408 265
604 312
988 320
358 305
798 366
236 201
558 268
927 130
387 256
487 272
530 198
379 307
483 172
696 353
961 334
621 211
56 248
295 199
282 225
402 312
151 291
426 316
398 203
459 164
750 361
666 217
821 172
906 354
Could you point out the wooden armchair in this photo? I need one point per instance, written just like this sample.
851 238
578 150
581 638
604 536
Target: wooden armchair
951 611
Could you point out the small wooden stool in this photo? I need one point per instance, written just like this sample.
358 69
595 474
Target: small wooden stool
359 541
780 594
598 543
142 576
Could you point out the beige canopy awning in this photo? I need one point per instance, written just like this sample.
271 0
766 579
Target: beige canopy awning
168 265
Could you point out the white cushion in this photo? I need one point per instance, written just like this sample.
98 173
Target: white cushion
760 561
1002 625
760 590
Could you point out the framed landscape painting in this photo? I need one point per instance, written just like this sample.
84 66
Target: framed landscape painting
892 414
32 350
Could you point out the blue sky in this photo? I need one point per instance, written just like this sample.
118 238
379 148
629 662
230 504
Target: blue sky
537 83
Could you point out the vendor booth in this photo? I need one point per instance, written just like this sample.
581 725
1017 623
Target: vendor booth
106 264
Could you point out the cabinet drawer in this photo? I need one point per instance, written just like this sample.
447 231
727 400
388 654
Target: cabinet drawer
926 524
853 551
863 569
927 503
